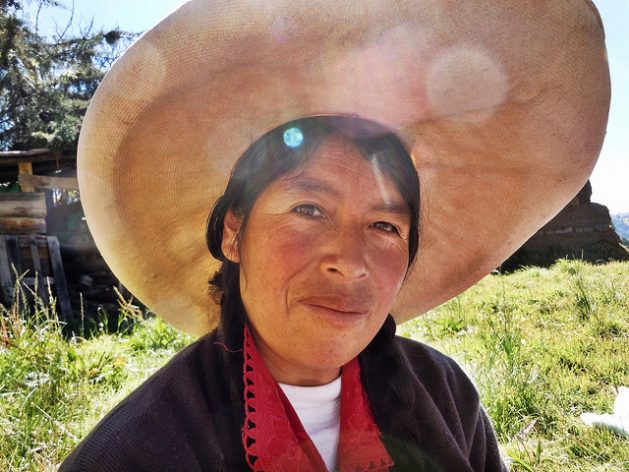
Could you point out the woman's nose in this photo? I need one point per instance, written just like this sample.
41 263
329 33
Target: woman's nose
346 255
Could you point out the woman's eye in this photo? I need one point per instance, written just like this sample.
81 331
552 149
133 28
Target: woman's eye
308 210
387 227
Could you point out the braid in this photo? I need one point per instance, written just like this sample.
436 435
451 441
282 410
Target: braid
225 288
387 382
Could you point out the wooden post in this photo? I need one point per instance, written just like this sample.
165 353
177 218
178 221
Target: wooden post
42 290
26 168
61 284
6 279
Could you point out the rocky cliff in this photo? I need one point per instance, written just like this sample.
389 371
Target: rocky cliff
582 230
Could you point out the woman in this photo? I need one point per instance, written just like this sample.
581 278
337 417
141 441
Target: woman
317 228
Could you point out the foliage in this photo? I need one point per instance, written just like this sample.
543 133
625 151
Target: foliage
542 345
46 83
54 388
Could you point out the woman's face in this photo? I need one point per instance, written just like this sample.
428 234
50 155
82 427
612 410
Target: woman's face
322 257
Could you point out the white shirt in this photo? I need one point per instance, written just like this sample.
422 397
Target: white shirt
319 410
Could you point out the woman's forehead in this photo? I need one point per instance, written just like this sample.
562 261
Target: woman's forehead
337 168
334 156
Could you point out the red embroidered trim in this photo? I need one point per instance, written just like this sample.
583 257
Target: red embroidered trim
268 437
360 447
275 440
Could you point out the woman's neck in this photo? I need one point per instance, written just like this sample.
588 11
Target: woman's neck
295 374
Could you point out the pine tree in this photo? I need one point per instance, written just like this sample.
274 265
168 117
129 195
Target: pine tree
46 83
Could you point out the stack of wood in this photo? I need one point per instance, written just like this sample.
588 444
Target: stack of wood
22 213
28 254
40 234
35 261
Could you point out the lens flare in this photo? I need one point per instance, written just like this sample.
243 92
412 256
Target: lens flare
293 137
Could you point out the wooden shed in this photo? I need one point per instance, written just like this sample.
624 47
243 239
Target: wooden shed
44 240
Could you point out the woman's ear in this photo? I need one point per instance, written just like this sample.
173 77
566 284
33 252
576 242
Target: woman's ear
231 233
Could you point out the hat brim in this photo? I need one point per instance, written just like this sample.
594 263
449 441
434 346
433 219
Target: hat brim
504 107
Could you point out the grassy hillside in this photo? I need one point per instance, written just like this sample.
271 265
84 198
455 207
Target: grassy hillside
542 345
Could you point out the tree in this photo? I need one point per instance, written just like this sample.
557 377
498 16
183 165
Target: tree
46 84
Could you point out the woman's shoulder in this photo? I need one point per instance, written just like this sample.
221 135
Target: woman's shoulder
448 400
166 422
440 376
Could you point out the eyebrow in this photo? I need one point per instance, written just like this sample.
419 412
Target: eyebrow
400 208
301 184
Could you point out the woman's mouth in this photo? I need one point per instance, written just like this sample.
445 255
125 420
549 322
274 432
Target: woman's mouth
337 307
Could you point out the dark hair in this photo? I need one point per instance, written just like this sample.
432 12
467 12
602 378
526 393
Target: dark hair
280 151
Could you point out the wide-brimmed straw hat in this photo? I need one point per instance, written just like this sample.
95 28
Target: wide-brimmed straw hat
503 104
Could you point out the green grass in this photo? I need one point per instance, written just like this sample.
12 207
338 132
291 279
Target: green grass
542 345
53 389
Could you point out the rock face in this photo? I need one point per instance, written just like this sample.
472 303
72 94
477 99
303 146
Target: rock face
582 230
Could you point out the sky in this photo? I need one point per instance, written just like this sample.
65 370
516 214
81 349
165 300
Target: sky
610 180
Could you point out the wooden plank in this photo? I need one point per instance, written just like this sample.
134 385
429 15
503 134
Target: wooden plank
13 250
41 181
25 154
60 281
31 281
22 226
25 205
26 168
32 244
6 279
50 200
42 290
12 161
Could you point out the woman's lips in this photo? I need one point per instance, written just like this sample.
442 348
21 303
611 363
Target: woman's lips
340 306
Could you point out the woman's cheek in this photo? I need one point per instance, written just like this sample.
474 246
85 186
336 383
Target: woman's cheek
390 261
291 243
